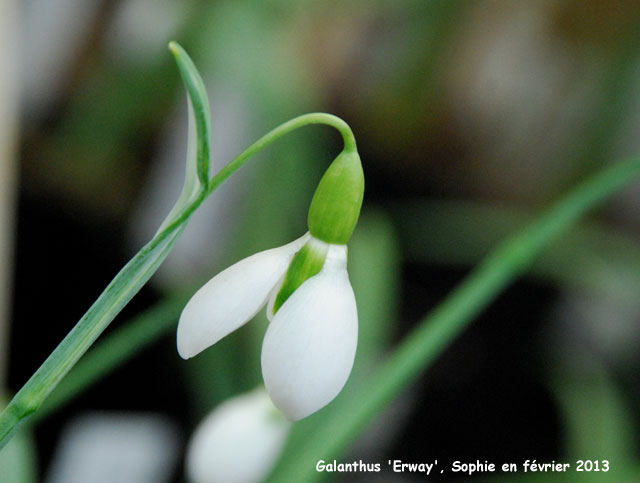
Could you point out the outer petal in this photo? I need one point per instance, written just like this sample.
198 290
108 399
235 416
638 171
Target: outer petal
232 298
238 442
310 345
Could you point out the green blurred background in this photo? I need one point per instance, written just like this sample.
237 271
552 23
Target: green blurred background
470 117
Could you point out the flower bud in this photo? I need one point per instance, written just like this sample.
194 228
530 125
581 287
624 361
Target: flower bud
239 442
336 204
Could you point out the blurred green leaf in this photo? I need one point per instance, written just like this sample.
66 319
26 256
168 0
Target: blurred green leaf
374 271
591 256
597 421
18 460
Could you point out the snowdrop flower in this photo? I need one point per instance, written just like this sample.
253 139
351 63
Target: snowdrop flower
310 344
238 442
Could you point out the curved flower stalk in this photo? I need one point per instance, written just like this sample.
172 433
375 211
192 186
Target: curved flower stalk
238 442
310 345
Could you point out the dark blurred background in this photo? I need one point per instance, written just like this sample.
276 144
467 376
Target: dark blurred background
470 117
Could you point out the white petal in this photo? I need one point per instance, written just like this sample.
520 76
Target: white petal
310 345
271 301
232 298
238 442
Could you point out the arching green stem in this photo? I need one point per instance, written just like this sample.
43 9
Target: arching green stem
287 127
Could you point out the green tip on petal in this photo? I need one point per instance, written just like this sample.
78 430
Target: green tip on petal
305 264
336 204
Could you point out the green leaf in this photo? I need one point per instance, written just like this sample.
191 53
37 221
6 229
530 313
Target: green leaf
374 271
460 233
117 294
116 349
200 109
132 276
18 460
598 421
